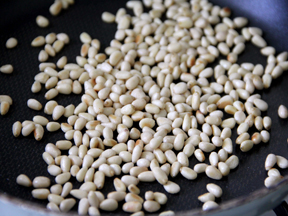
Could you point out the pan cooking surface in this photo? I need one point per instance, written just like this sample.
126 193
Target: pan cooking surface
24 155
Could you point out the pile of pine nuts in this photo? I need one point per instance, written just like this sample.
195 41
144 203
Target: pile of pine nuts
133 84
209 198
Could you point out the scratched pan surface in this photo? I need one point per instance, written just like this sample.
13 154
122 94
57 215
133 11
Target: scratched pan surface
24 155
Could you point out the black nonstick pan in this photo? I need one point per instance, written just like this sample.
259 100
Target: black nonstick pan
244 187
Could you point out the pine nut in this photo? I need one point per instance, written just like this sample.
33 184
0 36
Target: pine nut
52 207
53 198
146 176
282 112
42 21
151 206
232 162
16 128
209 205
132 206
63 37
109 205
24 180
26 130
282 162
270 161
67 204
4 108
58 111
62 178
272 181
128 180
172 187
88 186
79 194
257 40
246 145
188 173
56 189
6 98
160 175
267 122
214 189
58 45
133 197
6 69
38 41
213 173
149 195
274 172
85 37
206 197
108 17
11 43
41 182
40 193
55 9
34 104
167 213
53 126
265 136
53 170
63 144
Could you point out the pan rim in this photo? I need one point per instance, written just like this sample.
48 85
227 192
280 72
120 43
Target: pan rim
225 206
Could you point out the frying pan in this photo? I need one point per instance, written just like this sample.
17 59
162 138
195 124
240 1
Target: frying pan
244 191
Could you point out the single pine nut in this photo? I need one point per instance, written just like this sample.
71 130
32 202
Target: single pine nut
55 9
132 206
58 45
133 197
24 180
4 107
42 21
62 178
34 104
232 162
151 206
6 69
53 198
40 193
26 130
272 181
274 172
108 17
214 189
52 207
172 187
282 112
108 205
213 173
206 197
67 204
11 43
63 37
270 161
209 205
282 162
38 41
167 213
